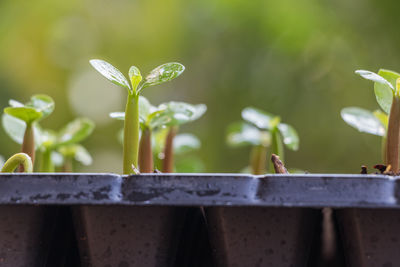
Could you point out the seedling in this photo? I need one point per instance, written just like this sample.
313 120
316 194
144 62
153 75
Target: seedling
64 144
161 74
48 141
262 131
153 118
25 118
174 115
19 159
387 92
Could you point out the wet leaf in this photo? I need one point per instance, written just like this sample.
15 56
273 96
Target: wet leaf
363 120
163 73
177 113
290 136
111 73
384 94
42 103
258 117
369 75
75 131
15 104
184 143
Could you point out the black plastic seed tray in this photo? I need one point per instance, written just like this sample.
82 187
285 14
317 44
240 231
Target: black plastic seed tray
160 219
310 190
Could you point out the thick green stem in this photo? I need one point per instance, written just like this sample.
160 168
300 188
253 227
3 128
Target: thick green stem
131 134
276 146
16 160
28 144
258 159
46 164
393 136
168 161
146 164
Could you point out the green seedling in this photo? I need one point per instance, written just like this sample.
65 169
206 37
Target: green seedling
161 74
365 121
20 120
168 115
62 147
174 115
262 131
49 142
19 159
387 92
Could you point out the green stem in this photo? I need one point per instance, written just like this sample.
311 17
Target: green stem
258 159
28 144
131 134
168 161
16 160
146 164
47 164
276 146
393 136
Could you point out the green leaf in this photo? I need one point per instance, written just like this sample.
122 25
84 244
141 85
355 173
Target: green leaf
163 73
117 115
145 109
75 131
384 93
176 113
57 158
15 129
42 103
26 114
258 117
382 117
184 143
290 137
240 134
111 73
363 120
135 77
15 104
369 75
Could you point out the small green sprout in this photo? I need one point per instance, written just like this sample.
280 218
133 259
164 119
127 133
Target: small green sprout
161 74
49 142
262 131
16 160
387 93
22 118
168 115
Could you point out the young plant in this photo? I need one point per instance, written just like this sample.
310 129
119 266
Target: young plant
19 159
64 144
48 142
161 74
175 114
367 122
23 118
153 119
387 92
263 130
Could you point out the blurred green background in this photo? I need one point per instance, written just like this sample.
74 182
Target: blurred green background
292 58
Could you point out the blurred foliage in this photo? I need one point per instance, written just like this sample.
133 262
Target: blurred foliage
295 59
